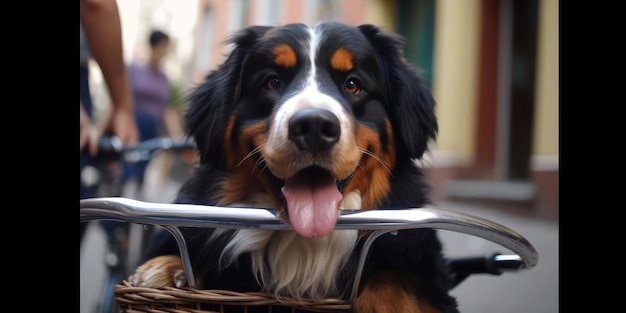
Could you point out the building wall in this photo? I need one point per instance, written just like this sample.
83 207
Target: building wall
212 22
457 41
546 132
545 160
454 83
381 13
454 77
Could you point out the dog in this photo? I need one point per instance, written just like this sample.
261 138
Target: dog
311 122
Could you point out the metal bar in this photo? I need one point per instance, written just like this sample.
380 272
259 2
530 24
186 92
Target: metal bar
184 254
364 253
383 220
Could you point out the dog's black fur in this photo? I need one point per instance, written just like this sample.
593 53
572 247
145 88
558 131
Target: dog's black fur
360 71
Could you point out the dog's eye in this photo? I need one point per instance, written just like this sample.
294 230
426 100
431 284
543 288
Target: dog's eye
352 85
272 83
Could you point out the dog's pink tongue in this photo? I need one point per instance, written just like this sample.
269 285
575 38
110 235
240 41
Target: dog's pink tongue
312 201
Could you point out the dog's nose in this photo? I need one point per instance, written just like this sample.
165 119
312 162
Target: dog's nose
314 130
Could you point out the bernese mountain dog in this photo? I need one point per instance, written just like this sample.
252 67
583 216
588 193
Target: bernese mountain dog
311 122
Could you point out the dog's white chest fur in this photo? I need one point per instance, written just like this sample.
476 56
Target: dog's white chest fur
288 264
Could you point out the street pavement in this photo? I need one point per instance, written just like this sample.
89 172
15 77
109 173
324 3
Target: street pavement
531 290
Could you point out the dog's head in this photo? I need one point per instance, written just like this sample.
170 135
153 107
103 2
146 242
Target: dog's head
315 117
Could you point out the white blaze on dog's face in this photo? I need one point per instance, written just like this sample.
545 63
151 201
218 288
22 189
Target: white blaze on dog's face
311 145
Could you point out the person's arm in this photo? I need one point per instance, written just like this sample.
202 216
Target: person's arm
103 31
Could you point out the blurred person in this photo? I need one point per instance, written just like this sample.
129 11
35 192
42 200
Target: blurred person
151 95
101 39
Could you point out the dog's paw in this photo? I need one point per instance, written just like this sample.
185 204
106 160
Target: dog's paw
161 271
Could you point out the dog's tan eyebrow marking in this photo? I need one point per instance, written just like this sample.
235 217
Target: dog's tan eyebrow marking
284 56
342 60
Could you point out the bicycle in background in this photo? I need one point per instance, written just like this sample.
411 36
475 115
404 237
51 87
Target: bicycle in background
106 173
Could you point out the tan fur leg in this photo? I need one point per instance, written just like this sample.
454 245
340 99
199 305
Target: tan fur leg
389 292
166 270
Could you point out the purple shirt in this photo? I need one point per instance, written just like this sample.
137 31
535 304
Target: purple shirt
151 91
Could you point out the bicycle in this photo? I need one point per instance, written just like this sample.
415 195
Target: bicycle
124 242
190 299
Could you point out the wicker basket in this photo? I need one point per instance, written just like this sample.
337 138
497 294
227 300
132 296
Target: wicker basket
133 299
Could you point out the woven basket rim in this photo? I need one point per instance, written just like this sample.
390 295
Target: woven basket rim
128 296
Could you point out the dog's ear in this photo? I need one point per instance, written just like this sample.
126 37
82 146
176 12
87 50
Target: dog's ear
410 104
212 102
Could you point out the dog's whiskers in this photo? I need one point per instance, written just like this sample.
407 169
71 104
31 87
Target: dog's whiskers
250 154
260 161
377 158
